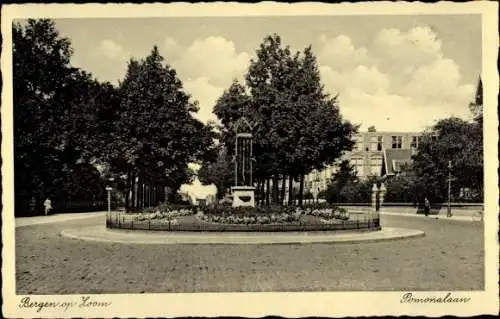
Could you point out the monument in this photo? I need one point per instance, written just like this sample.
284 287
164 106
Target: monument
243 190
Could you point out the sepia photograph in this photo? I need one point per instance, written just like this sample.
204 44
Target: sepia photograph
304 154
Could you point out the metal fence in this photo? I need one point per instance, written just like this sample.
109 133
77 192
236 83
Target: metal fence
121 221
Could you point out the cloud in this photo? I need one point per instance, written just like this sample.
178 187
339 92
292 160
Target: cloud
393 112
401 81
438 82
214 58
339 53
112 50
206 94
398 50
171 49
367 79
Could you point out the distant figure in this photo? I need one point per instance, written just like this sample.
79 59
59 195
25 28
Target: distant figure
427 206
48 206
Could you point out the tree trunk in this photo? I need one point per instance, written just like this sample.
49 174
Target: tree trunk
275 190
133 190
290 190
139 193
283 187
257 192
127 192
155 195
268 186
301 189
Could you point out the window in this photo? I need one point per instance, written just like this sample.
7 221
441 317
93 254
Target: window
375 166
376 143
415 141
357 164
380 140
397 142
358 146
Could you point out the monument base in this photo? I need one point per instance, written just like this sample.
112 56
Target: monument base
243 196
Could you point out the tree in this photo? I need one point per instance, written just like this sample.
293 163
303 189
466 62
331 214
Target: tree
403 188
219 173
158 135
454 140
233 104
322 136
299 127
54 114
344 175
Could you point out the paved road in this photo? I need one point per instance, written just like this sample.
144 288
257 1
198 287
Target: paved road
36 220
461 215
449 257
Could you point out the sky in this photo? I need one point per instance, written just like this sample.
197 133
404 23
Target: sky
396 72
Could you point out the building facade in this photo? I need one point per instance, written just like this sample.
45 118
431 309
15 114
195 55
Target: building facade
369 157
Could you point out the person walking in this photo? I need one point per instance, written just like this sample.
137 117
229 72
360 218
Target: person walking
427 206
48 206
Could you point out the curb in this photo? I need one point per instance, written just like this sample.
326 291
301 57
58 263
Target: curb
100 234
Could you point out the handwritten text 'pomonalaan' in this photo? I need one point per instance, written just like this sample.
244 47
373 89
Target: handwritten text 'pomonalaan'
448 298
84 302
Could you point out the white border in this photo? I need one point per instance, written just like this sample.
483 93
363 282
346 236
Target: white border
331 304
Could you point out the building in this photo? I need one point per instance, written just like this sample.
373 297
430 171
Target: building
374 154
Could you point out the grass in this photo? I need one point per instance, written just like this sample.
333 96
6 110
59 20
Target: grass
449 257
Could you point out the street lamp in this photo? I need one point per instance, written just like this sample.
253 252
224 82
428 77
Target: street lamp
109 189
449 190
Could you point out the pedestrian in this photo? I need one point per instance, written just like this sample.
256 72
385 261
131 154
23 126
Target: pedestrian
48 205
427 206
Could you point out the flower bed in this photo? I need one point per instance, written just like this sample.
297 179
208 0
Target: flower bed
224 218
250 215
163 213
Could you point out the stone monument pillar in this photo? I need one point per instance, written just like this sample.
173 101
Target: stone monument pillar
383 190
243 190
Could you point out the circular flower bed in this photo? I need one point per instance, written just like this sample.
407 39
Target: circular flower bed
227 218
250 215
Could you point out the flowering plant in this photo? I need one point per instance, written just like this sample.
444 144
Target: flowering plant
165 212
327 213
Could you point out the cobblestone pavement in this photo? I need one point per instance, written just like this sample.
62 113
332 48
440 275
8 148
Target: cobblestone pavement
449 257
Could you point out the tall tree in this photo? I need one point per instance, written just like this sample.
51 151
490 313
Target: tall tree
54 114
159 136
321 135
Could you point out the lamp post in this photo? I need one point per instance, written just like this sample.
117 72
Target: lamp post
449 190
109 189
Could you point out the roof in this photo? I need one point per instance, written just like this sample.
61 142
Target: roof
395 158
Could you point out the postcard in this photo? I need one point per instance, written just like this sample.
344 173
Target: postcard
232 159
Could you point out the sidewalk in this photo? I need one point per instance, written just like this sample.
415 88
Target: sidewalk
36 220
469 218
